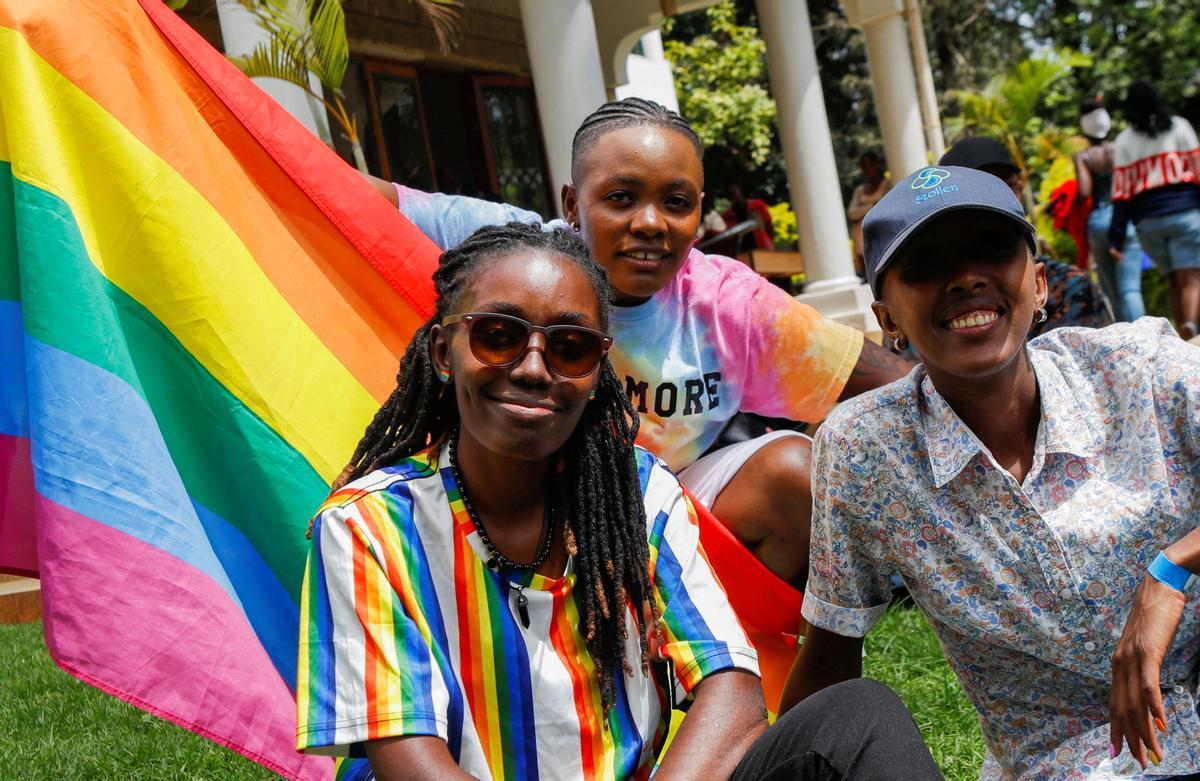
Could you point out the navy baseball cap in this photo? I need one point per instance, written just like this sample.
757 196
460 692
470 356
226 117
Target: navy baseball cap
926 194
979 152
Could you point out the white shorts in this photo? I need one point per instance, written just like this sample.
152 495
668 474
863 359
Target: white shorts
707 477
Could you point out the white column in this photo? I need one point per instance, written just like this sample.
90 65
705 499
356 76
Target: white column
892 82
241 32
928 93
649 74
567 78
807 145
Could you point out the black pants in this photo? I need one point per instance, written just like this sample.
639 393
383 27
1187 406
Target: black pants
854 730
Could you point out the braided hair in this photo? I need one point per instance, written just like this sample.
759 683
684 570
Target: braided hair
595 487
630 112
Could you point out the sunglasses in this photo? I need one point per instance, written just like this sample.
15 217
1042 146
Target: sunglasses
571 351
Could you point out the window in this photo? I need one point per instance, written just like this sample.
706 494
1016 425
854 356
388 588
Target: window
513 141
451 131
399 124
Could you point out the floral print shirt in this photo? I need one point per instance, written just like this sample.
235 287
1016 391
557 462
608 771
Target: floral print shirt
1028 584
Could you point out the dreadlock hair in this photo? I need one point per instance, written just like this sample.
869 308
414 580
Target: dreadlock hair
594 484
629 112
1145 110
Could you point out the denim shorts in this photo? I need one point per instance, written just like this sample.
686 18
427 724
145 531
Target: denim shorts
1172 241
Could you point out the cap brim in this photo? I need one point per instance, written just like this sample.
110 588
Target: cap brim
902 238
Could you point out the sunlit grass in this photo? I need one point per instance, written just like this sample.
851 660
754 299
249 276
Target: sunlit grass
54 727
903 652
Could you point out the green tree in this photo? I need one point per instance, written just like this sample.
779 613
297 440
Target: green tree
720 77
1127 41
970 41
1009 110
719 64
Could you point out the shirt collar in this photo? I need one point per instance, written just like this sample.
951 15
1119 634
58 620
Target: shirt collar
1066 415
1064 427
949 442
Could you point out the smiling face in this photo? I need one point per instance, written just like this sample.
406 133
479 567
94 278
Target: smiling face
521 411
963 290
636 200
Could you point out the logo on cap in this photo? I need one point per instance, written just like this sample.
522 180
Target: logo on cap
930 178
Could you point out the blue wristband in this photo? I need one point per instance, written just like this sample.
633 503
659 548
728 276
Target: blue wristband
1168 572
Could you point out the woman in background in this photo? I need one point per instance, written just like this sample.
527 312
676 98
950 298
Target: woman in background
1121 280
1156 186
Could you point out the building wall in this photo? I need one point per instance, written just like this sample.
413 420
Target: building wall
491 36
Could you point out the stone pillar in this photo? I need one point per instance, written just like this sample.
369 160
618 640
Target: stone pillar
928 93
832 286
567 78
241 32
892 82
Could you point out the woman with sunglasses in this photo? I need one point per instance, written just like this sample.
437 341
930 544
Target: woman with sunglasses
504 587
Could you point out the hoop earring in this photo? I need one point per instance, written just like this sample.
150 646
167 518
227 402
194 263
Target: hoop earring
900 343
444 377
1040 316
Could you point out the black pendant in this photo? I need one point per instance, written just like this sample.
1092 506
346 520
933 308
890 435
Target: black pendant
523 608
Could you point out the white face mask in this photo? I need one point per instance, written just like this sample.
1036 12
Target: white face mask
1095 124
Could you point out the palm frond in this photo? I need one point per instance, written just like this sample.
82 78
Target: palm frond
446 18
315 31
1054 143
330 53
276 58
279 16
1028 82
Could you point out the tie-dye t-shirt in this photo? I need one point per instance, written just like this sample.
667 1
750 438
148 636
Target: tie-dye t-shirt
406 631
717 340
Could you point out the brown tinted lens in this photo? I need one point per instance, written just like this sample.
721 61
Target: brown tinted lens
497 341
573 352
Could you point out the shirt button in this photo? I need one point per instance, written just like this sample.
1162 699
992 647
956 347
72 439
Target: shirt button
1179 690
1066 593
1089 646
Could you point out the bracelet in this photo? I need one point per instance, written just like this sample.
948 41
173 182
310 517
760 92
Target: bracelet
1169 573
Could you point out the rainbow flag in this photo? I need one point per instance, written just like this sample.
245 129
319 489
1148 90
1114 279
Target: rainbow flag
201 306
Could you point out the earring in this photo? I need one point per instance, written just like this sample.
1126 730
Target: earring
1040 316
900 343
592 395
444 377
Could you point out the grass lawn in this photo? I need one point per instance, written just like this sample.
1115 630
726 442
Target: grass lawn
903 652
54 727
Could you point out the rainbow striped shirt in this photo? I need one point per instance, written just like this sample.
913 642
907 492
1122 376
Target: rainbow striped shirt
405 631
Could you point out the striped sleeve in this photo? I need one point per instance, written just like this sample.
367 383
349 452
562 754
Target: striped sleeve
702 634
365 668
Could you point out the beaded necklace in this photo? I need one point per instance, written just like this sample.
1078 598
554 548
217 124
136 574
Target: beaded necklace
496 560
